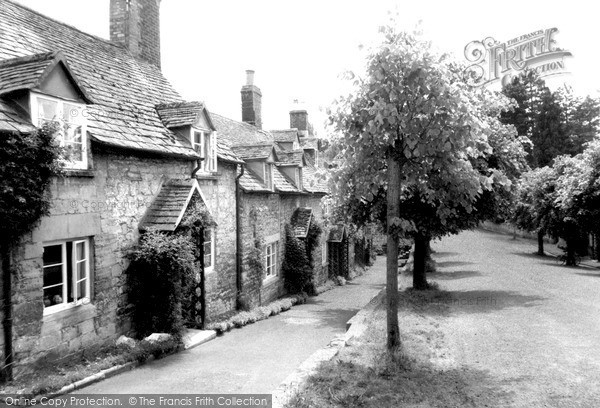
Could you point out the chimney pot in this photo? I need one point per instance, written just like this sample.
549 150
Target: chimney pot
249 77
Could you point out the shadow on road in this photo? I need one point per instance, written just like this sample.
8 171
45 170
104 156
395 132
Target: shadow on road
450 264
472 301
596 275
437 254
530 255
453 275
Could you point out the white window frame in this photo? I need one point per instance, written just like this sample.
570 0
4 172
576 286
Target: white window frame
271 260
211 268
35 98
268 169
74 281
209 164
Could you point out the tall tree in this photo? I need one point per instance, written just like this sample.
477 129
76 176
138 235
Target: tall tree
411 127
539 116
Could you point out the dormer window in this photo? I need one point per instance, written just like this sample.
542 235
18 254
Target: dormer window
72 126
205 143
299 178
268 176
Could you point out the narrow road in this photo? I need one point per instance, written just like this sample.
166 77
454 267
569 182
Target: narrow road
258 357
527 322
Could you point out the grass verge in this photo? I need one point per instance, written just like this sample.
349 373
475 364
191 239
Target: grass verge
419 374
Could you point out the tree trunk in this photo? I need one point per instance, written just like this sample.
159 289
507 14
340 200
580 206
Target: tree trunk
7 366
419 278
540 239
393 212
597 246
571 261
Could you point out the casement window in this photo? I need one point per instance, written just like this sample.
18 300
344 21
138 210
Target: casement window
271 259
205 143
268 176
295 146
299 179
209 249
66 274
72 127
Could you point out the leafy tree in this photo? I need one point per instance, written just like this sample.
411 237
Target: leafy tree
539 116
28 162
413 132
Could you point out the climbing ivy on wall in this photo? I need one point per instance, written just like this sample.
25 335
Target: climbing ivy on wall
296 269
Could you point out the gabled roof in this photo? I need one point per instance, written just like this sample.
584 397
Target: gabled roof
124 90
12 120
255 152
177 114
250 182
225 153
301 221
337 233
291 158
240 133
312 183
169 206
285 135
282 183
30 71
309 143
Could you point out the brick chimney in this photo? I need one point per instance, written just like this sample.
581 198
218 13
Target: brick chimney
251 101
299 119
135 24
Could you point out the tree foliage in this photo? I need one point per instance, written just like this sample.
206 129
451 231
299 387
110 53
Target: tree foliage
160 278
296 269
457 160
28 161
557 123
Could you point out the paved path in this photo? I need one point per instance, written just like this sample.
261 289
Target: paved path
258 357
528 324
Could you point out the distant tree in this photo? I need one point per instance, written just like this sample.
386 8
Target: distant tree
539 116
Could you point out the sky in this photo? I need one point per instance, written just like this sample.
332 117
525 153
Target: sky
299 49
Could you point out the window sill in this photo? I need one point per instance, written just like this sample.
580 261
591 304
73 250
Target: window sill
78 173
207 176
57 310
268 281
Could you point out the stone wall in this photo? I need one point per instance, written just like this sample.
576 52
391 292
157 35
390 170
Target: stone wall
264 216
106 208
220 283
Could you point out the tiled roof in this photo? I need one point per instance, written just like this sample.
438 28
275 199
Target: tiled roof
225 153
12 120
178 114
286 135
312 182
124 90
336 233
250 182
253 152
301 221
295 157
309 143
282 183
239 133
168 207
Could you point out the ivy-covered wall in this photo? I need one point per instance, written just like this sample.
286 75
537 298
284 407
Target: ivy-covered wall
264 217
107 208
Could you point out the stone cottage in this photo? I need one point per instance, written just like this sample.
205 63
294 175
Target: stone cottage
137 155
278 186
